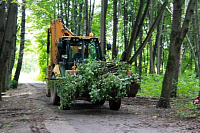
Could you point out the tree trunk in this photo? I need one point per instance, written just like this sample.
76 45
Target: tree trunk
115 22
197 35
150 41
134 57
80 18
159 43
75 16
2 22
7 70
86 18
140 56
125 24
91 15
127 52
61 9
6 44
21 50
177 36
103 26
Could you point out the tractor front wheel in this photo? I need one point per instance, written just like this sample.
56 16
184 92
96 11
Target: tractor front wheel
55 99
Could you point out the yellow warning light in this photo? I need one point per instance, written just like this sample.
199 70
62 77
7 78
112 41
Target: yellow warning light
91 34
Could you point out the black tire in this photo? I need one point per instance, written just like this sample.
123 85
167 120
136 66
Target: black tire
48 91
100 102
115 104
55 99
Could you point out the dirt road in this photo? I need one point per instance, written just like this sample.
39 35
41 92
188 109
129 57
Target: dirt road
28 110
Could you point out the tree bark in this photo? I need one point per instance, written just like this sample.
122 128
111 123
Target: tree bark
21 50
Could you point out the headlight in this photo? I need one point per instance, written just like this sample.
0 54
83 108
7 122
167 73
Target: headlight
64 56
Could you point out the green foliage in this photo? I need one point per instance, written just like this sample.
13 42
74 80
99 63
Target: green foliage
187 86
93 78
151 85
11 83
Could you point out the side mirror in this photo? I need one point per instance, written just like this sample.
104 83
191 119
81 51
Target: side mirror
108 46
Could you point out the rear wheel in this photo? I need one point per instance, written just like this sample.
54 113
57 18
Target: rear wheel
115 104
55 99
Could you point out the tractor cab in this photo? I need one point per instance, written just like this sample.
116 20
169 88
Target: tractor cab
73 50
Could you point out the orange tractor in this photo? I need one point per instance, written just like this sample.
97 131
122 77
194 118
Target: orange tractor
66 51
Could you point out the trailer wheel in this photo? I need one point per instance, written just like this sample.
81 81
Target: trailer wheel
55 99
101 102
115 104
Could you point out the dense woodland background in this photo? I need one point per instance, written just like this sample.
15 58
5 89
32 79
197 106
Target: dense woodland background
160 39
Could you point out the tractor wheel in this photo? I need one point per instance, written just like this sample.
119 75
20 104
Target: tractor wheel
101 102
115 104
55 99
48 93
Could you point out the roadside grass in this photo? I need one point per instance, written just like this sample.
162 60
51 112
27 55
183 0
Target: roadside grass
188 88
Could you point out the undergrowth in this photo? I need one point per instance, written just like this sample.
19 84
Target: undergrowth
188 88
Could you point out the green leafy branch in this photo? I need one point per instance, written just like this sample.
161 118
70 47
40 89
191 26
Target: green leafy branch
96 79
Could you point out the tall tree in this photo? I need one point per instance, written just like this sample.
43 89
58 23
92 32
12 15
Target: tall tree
178 33
103 25
150 41
75 13
159 43
116 15
7 39
115 22
21 51
80 17
86 21
2 21
91 14
125 24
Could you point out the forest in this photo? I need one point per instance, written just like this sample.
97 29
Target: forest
160 39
